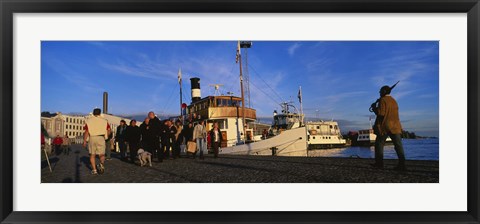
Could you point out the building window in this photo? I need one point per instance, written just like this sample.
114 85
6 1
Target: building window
222 124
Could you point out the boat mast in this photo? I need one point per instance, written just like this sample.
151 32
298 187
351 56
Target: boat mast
239 57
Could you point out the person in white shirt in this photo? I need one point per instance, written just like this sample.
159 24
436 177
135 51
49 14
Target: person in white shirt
97 130
199 134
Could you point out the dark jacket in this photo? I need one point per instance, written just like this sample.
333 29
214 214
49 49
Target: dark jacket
212 135
148 133
155 126
187 133
120 135
168 133
133 134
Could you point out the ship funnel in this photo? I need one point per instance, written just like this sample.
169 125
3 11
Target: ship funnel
196 94
105 102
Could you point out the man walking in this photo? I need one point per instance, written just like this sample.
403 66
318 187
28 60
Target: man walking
97 130
387 124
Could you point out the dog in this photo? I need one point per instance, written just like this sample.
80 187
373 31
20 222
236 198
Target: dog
144 157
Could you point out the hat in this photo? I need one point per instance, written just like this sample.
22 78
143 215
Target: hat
385 90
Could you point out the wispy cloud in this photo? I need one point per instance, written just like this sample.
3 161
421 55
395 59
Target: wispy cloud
293 48
69 73
141 66
319 64
338 97
424 96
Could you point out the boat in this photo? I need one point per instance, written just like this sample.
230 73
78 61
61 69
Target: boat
324 135
287 137
367 138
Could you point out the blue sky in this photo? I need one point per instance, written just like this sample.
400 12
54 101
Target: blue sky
339 79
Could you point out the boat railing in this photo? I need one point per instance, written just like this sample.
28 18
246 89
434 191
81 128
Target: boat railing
274 146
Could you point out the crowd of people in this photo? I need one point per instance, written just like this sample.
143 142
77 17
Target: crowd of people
163 139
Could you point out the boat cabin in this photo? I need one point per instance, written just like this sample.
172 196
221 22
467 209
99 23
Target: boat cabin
227 112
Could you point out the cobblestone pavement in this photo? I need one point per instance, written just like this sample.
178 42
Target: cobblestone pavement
235 169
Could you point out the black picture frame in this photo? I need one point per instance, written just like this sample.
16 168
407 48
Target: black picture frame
9 7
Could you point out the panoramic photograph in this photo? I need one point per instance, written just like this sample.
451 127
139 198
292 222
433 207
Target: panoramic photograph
246 111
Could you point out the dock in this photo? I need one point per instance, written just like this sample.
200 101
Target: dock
74 168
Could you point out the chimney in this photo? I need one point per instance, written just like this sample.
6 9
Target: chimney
195 89
105 102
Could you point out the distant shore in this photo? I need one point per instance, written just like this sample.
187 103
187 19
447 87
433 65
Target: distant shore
238 169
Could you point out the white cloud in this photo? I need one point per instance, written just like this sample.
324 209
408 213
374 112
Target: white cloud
293 48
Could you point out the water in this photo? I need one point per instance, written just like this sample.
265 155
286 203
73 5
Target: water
415 149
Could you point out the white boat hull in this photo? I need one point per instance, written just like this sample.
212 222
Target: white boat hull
291 142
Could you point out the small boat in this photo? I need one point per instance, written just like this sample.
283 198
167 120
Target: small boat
367 138
324 135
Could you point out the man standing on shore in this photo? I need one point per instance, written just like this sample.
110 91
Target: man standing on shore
97 130
388 124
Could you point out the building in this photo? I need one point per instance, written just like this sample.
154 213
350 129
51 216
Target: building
62 124
73 125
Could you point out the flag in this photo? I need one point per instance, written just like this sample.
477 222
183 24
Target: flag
300 94
238 52
180 76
